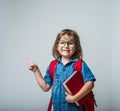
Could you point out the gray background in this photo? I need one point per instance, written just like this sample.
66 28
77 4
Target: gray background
28 28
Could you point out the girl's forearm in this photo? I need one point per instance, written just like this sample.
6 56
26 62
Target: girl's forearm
84 90
40 80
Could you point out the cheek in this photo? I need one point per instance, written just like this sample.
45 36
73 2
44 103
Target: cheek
73 50
58 49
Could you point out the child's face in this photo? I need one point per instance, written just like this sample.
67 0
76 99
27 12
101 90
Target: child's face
66 46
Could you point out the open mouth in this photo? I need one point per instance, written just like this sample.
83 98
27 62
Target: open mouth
66 50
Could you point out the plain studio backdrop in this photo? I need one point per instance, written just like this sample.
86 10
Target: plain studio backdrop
28 28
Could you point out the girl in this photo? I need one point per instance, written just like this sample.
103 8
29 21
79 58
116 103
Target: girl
66 50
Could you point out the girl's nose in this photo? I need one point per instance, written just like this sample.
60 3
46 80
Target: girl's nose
66 44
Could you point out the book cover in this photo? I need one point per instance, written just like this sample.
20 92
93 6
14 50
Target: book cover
73 84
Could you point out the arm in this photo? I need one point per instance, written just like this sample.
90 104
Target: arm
88 86
40 80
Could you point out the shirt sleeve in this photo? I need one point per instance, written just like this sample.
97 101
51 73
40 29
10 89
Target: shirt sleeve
47 77
87 73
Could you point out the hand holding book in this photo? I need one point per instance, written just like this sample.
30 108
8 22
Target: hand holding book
73 85
69 97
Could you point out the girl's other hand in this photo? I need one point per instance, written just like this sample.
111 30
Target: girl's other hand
69 97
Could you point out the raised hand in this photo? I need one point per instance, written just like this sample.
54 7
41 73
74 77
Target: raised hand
32 66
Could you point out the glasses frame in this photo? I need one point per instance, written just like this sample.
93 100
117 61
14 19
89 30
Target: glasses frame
64 43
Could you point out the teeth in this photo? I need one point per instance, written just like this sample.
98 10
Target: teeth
65 50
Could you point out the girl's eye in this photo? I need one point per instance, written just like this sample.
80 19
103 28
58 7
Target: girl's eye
61 42
71 43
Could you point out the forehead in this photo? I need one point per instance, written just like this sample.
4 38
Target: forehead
66 37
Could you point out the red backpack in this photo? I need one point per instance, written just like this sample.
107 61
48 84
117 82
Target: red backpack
87 101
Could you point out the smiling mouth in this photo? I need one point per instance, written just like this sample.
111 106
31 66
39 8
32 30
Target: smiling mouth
65 50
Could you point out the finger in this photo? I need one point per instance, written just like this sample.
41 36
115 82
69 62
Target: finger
66 93
31 63
30 68
28 59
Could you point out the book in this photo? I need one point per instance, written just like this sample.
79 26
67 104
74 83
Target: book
73 84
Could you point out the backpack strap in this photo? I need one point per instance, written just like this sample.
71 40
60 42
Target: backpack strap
51 68
50 105
77 65
51 72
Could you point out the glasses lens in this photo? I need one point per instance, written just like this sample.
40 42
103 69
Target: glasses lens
63 43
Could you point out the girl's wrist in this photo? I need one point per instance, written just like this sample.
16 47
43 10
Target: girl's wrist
74 98
36 70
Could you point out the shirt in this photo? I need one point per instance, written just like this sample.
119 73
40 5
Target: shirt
61 73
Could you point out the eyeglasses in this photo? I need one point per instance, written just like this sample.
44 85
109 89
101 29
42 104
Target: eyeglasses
63 43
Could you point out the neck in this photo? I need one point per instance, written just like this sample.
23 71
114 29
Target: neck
65 60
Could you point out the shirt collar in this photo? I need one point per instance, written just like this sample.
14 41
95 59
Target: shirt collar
71 60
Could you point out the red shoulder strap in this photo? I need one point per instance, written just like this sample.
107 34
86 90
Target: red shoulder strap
51 72
52 67
50 105
78 65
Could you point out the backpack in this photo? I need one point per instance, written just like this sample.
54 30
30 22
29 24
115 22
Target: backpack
87 102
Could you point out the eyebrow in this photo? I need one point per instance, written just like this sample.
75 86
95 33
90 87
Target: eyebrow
66 41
